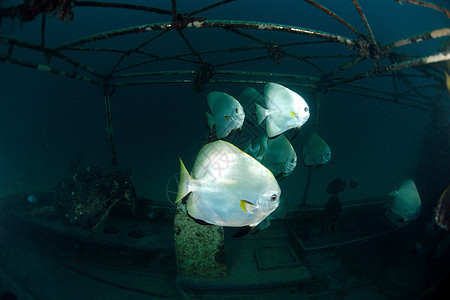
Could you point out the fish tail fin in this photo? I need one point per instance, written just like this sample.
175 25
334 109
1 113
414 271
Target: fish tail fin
183 185
250 95
393 192
209 120
261 113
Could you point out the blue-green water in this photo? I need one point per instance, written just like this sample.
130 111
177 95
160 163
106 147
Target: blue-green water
45 119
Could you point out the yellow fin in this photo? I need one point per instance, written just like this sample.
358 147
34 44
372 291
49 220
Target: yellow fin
246 206
183 185
293 114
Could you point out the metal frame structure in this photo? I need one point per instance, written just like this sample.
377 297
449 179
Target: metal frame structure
387 60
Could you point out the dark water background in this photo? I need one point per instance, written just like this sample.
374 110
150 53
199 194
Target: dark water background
46 119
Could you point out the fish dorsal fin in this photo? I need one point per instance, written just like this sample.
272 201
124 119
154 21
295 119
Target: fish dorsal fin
296 131
272 129
210 120
248 207
263 140
283 95
250 95
408 185
219 101
393 192
271 91
212 98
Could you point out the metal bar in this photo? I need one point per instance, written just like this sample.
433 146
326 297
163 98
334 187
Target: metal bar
47 68
297 78
186 41
129 52
49 52
227 50
122 5
210 23
209 7
434 34
174 10
307 185
441 56
299 241
190 80
77 64
155 73
427 4
217 72
44 16
109 127
350 64
346 91
242 61
151 61
416 105
374 90
117 32
249 36
366 23
268 74
332 14
303 58
271 27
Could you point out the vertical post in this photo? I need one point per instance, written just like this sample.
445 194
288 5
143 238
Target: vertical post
44 16
109 127
317 97
199 249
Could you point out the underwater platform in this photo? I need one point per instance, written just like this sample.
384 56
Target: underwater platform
131 258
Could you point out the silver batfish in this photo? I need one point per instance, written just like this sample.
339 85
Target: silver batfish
279 156
228 187
226 115
316 151
257 147
284 109
276 154
406 204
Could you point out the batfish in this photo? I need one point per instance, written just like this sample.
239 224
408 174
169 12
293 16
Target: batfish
228 187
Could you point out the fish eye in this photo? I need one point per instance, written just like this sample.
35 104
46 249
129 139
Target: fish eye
306 109
292 160
236 110
273 198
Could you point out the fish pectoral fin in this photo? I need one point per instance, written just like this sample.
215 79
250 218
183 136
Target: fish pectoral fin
210 120
198 221
296 131
293 114
280 176
248 207
243 231
227 118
